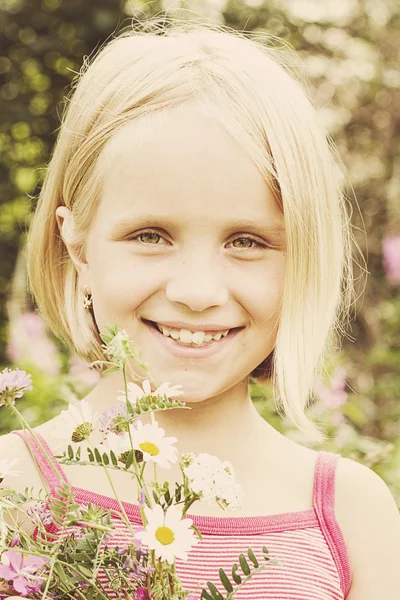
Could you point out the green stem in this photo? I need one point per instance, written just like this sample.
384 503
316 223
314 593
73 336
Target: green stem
121 506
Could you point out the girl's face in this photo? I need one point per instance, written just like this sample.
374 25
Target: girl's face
187 232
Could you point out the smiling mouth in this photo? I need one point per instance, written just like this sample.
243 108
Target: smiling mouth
205 340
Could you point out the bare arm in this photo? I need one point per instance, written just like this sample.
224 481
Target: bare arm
370 521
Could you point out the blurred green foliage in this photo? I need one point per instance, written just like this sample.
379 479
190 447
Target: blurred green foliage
350 56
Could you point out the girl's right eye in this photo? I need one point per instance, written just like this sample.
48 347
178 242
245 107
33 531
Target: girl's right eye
147 234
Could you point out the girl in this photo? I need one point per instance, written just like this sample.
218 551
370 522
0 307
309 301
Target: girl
193 196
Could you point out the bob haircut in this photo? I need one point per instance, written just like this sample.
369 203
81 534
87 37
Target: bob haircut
246 87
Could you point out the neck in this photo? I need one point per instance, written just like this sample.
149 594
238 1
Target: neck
227 425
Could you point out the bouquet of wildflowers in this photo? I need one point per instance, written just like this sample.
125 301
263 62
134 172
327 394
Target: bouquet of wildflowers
71 553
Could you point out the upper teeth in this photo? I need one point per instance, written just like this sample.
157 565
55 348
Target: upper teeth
191 337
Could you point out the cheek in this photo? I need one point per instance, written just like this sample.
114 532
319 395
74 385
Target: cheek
120 283
264 294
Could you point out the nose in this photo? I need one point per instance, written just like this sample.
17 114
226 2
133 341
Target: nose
197 283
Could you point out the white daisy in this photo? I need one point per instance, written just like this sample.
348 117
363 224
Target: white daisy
167 533
135 392
150 440
118 443
76 423
6 467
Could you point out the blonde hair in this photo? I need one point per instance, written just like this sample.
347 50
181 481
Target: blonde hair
247 87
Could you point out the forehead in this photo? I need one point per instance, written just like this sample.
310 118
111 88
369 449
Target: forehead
181 163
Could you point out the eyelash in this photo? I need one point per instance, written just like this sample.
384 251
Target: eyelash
241 237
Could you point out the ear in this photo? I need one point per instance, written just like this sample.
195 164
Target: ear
66 225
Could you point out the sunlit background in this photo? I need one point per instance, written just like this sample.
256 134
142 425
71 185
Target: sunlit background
350 55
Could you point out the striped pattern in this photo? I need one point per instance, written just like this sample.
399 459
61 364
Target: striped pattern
309 545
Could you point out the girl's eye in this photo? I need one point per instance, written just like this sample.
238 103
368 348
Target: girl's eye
151 236
250 241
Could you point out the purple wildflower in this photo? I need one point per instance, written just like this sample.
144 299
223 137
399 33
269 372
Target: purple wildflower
109 419
391 258
13 384
22 571
39 513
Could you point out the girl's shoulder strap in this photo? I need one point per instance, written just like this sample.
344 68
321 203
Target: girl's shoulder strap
324 506
38 452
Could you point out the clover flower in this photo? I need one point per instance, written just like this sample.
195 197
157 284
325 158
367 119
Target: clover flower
76 423
167 533
213 480
13 384
40 514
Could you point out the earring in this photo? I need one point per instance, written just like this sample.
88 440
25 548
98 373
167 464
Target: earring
87 301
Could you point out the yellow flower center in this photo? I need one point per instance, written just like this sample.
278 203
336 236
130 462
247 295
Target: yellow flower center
152 449
165 535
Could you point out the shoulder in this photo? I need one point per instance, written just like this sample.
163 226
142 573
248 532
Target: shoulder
370 522
13 447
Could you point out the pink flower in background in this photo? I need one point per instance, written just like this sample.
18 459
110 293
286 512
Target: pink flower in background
28 342
391 258
334 396
21 571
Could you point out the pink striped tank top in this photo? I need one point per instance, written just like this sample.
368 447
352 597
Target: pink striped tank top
309 544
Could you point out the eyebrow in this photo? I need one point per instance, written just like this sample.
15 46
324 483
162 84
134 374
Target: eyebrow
122 224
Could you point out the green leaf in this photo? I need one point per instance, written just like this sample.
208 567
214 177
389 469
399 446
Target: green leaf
225 581
216 595
98 456
252 557
114 459
129 460
235 576
90 454
244 564
205 595
265 550
106 460
70 452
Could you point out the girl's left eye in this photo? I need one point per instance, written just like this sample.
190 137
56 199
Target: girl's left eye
157 236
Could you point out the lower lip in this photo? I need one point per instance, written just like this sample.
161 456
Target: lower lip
190 351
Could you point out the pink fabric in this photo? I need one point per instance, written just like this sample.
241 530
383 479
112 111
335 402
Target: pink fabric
309 544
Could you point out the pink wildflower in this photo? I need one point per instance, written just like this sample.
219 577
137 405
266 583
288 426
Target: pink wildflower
22 571
142 594
29 343
391 258
13 384
335 396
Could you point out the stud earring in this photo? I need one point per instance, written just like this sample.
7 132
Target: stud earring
87 301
